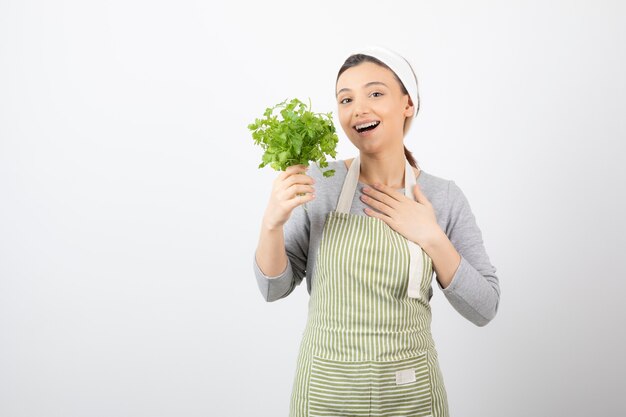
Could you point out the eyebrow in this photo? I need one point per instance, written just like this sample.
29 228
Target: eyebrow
365 86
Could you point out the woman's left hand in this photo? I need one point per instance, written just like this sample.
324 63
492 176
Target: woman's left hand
415 220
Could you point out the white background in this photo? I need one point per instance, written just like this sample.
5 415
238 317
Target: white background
130 199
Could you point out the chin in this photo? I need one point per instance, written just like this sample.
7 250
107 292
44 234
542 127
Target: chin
368 148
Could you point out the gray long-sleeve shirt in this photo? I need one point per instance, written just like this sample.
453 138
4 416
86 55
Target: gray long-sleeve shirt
474 290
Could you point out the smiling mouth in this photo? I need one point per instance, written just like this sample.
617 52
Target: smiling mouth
366 127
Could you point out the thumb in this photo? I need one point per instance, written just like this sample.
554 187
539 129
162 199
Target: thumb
419 195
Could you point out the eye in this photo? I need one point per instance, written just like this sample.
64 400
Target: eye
343 101
376 92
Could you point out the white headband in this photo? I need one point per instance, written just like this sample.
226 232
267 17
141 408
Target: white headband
402 68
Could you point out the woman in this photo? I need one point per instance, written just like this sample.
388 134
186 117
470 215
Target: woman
368 244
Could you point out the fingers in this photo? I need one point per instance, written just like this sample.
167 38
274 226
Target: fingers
389 191
419 196
294 190
293 169
291 188
295 174
299 199
381 216
297 183
298 179
383 208
380 196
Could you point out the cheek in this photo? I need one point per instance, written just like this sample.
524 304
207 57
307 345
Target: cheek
344 119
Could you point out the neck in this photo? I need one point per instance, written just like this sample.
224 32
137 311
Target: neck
384 169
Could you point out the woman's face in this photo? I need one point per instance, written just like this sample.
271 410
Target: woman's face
369 95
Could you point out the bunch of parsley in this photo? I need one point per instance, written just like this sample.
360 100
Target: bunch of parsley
297 137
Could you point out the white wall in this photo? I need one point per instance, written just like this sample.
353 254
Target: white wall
130 199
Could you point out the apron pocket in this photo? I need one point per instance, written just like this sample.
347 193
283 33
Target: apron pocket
339 387
402 387
393 388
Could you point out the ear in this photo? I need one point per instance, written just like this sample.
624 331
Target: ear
408 109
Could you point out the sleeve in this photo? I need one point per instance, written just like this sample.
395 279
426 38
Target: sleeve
474 290
296 232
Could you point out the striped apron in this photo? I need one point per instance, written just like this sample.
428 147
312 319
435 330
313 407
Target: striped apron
367 348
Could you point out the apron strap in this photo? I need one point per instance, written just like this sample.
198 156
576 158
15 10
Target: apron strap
349 187
416 264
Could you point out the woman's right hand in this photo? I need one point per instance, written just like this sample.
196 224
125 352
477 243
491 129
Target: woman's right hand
291 188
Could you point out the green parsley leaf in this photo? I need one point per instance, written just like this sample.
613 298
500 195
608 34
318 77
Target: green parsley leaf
299 136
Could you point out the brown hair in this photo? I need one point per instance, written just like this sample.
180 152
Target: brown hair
353 61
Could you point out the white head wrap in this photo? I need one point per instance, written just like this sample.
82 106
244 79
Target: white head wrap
402 68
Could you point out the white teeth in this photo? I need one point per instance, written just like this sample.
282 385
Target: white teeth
364 125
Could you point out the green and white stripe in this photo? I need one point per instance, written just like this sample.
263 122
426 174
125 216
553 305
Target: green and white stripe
368 388
362 328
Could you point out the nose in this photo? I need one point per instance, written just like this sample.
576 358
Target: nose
360 108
